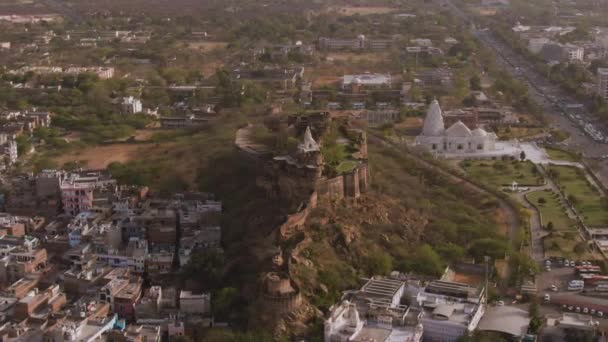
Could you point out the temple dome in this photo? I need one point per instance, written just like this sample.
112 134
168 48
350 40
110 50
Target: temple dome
478 132
433 122
458 129
309 144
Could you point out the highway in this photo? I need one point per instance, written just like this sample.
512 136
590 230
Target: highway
546 94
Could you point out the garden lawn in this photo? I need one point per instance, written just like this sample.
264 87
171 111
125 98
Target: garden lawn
592 208
498 173
557 154
552 210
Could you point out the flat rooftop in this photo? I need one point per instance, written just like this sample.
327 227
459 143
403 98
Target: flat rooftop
382 287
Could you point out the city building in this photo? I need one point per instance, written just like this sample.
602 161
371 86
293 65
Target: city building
602 82
450 310
374 313
193 303
360 43
78 188
356 83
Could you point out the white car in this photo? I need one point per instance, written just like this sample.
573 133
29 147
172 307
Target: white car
586 310
547 298
553 288
600 314
500 303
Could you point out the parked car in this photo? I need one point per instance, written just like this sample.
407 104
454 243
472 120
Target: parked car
586 310
578 309
547 298
500 303
553 288
600 314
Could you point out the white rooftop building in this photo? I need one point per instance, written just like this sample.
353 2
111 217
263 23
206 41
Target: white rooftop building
132 105
367 80
457 139
374 313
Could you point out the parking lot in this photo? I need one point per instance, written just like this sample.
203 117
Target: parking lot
561 298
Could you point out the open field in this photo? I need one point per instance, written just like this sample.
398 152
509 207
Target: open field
364 10
552 210
586 199
498 173
207 46
99 157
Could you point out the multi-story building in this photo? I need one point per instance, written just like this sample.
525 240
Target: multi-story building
450 310
22 262
77 190
125 300
374 313
602 82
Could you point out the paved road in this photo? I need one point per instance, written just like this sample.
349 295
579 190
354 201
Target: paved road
544 93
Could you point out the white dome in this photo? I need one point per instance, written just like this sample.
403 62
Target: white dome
433 122
459 130
478 132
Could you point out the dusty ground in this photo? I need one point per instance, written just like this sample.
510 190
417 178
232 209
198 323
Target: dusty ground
207 46
367 10
99 157
208 69
470 279
357 57
325 81
502 221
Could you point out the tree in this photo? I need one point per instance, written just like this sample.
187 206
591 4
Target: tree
206 268
542 200
522 156
573 200
427 261
475 83
378 263
549 226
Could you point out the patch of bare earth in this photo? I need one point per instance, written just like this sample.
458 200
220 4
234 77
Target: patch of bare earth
100 157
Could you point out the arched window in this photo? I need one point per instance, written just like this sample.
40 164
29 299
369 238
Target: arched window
480 146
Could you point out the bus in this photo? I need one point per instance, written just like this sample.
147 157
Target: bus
580 270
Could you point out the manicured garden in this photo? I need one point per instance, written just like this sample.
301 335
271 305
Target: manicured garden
558 154
499 173
552 210
586 199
